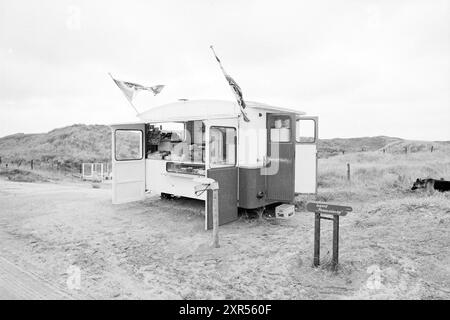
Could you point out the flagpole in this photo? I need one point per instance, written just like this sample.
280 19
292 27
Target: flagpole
220 63
241 102
137 112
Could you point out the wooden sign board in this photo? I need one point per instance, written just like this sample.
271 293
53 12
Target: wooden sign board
328 208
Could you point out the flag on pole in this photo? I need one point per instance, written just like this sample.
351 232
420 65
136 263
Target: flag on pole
130 89
234 87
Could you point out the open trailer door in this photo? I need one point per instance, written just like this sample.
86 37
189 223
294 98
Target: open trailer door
306 155
280 151
221 164
128 163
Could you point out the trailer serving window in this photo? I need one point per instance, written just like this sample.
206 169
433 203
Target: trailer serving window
176 141
128 144
222 148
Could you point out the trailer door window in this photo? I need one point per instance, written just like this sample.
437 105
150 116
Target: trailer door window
306 131
128 145
222 148
280 128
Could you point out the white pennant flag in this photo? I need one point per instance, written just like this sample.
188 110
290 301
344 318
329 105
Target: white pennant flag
130 89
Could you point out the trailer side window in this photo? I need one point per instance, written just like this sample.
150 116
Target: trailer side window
306 131
222 149
128 145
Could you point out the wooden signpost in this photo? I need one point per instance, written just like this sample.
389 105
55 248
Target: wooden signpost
335 211
206 184
215 190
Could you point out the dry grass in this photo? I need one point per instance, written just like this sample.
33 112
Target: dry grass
19 175
379 175
23 174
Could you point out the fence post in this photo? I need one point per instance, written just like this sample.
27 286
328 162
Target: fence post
32 164
348 171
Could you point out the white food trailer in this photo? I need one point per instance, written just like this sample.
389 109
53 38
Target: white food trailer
266 160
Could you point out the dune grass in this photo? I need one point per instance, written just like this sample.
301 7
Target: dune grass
378 174
22 174
19 175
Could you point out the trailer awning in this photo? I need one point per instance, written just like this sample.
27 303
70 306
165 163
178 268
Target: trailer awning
187 110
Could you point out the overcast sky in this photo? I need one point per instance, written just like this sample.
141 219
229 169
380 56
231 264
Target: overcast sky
364 67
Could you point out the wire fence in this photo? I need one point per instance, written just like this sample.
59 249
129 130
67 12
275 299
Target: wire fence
85 171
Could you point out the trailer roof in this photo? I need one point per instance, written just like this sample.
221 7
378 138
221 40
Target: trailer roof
203 109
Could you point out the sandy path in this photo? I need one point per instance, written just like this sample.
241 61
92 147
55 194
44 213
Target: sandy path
18 284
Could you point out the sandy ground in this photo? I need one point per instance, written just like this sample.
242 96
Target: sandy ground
157 249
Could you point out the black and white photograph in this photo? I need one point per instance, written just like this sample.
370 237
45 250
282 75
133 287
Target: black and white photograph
237 152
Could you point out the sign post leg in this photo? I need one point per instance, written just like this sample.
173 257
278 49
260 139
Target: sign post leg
317 240
335 258
215 218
